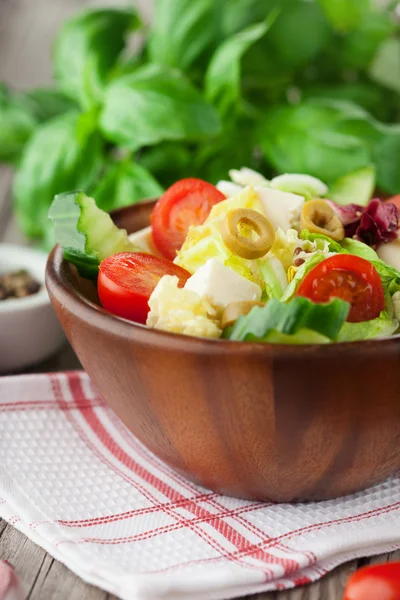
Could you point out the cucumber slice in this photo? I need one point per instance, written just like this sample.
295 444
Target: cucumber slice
302 336
86 233
288 318
355 188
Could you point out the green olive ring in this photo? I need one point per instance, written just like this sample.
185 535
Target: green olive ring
242 246
318 217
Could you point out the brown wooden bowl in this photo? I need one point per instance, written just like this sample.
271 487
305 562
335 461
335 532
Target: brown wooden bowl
258 421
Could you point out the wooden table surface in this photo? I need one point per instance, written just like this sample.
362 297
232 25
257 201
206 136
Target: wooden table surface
26 31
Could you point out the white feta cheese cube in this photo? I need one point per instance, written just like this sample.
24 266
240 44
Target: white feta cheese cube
390 253
222 286
282 209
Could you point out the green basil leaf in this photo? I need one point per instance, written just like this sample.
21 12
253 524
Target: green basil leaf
385 69
305 25
47 103
181 31
235 15
369 96
386 155
330 139
289 318
306 139
345 15
87 48
169 162
17 124
223 77
358 49
64 153
124 184
231 150
156 104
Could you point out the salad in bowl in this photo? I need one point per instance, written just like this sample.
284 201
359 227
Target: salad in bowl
281 261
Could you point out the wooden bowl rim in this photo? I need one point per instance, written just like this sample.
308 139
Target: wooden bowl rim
60 283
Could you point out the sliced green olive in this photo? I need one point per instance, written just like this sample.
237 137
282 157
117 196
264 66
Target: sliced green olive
318 217
233 233
235 310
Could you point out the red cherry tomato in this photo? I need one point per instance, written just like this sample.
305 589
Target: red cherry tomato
188 202
350 278
395 200
127 280
378 582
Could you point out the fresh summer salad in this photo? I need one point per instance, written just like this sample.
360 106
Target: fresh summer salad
285 260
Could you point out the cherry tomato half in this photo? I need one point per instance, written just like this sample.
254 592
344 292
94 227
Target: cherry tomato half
350 278
188 202
378 582
127 280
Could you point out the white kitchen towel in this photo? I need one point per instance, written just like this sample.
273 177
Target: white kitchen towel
76 482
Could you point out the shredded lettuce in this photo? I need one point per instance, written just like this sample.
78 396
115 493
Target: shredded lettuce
383 326
274 276
284 246
289 319
346 246
322 242
205 241
302 271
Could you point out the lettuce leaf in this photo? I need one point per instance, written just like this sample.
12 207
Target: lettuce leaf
284 246
389 275
205 241
346 246
318 238
301 273
274 276
358 249
383 326
288 319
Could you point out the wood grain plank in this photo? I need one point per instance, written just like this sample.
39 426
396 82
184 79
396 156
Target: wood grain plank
24 555
55 581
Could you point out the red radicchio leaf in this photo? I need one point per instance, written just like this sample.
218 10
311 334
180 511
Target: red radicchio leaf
379 223
375 224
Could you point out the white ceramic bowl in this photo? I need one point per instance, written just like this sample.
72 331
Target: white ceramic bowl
29 328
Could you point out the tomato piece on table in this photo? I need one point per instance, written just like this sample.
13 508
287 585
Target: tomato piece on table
127 280
350 278
188 202
377 582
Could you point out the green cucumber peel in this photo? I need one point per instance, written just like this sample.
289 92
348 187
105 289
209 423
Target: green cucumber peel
288 318
86 233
